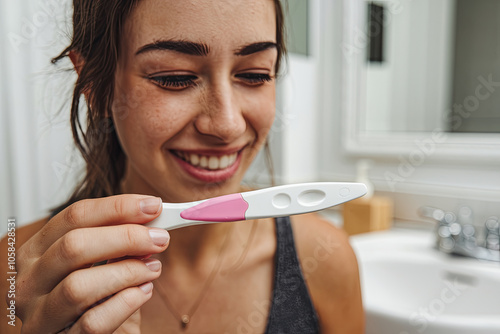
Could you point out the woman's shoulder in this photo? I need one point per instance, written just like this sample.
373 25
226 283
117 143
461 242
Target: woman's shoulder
331 272
322 247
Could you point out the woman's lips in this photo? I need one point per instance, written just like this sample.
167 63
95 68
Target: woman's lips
207 167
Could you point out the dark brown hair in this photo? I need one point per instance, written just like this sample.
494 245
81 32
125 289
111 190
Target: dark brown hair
97 29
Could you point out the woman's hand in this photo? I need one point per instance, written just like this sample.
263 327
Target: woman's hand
58 287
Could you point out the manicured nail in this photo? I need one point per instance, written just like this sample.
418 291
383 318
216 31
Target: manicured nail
146 287
160 237
152 264
151 206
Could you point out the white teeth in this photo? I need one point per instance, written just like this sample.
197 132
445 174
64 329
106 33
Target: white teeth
223 162
213 163
203 161
232 159
194 159
209 162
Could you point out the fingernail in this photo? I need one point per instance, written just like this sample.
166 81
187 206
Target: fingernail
160 237
151 206
152 264
146 287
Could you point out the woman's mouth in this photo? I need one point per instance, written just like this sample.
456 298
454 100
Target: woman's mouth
207 167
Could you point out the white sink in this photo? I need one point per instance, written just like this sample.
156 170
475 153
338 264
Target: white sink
410 287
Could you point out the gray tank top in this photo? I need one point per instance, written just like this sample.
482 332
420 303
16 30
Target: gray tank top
292 310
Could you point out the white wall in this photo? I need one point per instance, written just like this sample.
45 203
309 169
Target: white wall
35 152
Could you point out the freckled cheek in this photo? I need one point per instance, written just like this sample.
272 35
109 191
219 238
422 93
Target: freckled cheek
151 122
263 117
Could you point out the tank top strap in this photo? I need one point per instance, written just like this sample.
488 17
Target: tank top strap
292 310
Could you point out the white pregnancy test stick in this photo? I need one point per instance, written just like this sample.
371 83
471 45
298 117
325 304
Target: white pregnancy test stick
270 202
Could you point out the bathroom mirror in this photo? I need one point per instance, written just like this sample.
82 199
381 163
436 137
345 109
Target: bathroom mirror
422 75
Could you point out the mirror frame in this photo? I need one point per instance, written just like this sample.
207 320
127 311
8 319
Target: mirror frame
435 145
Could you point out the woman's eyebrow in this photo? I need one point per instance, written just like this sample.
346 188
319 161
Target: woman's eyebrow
201 49
186 47
254 48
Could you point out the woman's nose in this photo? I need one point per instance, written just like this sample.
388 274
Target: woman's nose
222 115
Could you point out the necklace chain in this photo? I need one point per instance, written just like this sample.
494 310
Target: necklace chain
186 318
243 255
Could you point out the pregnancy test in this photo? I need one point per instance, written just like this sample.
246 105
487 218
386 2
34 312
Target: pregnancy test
270 202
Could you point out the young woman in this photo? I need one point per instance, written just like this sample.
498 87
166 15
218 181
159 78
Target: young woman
180 98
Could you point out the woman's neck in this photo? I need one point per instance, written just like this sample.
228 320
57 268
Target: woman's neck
197 244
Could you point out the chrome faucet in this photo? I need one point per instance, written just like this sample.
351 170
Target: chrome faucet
456 233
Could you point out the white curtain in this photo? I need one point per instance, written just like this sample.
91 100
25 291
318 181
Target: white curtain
39 166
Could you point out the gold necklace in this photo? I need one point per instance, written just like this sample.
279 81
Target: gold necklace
186 318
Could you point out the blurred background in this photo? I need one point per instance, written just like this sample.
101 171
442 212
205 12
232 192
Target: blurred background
39 165
413 86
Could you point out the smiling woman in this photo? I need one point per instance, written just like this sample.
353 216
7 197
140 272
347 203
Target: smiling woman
215 80
180 97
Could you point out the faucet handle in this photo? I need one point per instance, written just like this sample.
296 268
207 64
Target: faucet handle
431 212
492 240
468 231
492 225
465 215
449 218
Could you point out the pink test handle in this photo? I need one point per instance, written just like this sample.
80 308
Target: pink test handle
225 208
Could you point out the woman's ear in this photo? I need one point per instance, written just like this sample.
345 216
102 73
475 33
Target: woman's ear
77 60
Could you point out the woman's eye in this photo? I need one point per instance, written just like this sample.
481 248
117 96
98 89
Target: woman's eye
254 78
174 81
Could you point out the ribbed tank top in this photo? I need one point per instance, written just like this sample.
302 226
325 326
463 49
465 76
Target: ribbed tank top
292 310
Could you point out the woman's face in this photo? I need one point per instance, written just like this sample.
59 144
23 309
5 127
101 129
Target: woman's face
194 94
